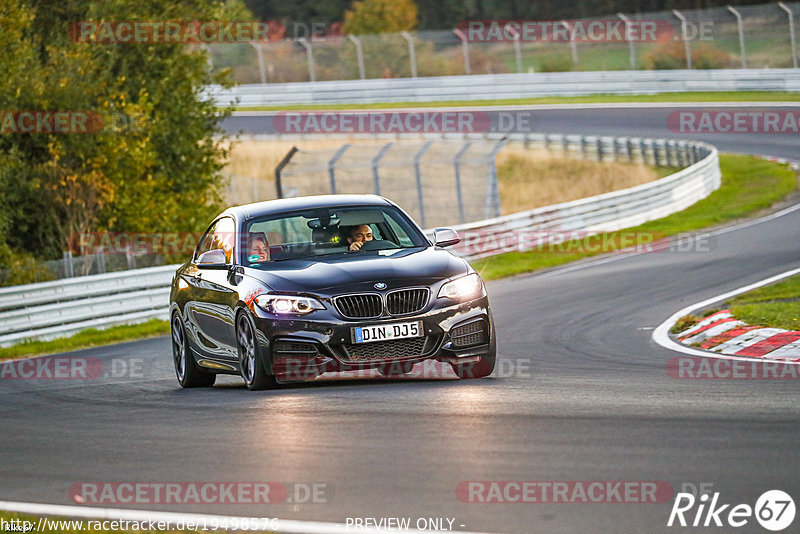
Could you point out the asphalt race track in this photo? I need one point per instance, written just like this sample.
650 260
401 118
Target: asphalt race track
581 393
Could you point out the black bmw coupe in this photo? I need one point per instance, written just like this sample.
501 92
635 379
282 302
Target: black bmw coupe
287 290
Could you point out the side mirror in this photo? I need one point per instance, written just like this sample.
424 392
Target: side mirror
213 259
445 237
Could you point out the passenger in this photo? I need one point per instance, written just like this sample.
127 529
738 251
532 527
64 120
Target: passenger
358 236
259 247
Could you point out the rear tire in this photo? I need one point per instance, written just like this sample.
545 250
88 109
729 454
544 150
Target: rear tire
190 375
253 368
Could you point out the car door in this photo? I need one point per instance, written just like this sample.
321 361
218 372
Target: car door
210 312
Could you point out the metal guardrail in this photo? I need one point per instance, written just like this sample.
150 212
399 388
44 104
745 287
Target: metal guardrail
607 212
506 86
54 309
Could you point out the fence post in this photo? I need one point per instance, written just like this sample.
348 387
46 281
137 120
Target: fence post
629 146
310 56
457 169
418 175
359 54
631 45
131 259
332 166
262 70
412 56
685 38
791 32
517 46
464 49
740 25
599 143
375 161
209 59
68 271
101 260
643 150
573 46
493 195
284 162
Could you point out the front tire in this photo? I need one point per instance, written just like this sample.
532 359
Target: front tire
189 374
252 366
485 364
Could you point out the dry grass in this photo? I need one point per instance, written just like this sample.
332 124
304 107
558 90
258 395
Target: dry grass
527 178
251 168
530 179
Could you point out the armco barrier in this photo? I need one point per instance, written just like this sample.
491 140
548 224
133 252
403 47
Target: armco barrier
54 309
609 211
505 86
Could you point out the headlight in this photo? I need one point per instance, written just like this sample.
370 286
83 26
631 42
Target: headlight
288 304
461 288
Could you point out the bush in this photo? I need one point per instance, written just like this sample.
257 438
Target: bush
556 63
672 55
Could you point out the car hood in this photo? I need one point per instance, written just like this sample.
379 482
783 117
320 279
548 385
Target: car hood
356 271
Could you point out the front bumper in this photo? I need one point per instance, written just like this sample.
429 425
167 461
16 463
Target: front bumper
303 348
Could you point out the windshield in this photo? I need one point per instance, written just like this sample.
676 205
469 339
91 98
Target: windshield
328 231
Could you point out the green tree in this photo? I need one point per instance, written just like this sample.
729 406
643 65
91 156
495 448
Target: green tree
156 171
380 16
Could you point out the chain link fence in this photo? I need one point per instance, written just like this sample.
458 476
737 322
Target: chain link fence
437 182
760 36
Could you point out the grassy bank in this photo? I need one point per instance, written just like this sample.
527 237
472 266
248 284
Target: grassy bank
749 184
776 305
714 97
87 338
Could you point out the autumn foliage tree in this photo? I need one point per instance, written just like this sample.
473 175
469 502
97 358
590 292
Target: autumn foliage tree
153 167
380 16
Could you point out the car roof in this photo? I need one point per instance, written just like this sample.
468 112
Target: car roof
268 207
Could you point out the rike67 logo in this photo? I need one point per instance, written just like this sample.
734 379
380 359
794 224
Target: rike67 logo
774 510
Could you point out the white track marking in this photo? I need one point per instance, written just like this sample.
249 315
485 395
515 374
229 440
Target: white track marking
284 525
534 107
661 333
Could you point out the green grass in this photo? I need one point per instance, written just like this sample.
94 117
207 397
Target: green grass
732 96
776 305
87 338
748 185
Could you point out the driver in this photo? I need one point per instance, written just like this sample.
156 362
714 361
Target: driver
358 236
259 247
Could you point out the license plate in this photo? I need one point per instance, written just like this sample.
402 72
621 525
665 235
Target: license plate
384 332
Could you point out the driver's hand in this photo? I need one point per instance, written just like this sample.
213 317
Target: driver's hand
356 245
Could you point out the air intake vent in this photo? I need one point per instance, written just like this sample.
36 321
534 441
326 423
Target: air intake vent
361 306
406 301
469 334
387 350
